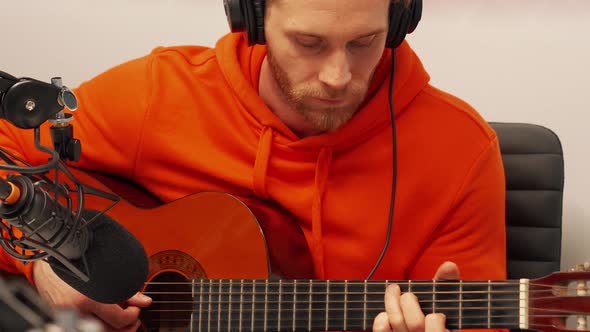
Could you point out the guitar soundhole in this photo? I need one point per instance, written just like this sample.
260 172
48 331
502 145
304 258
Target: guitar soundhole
172 303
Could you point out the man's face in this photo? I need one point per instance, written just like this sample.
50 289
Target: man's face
323 53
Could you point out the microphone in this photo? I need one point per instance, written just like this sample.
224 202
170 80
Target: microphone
85 248
27 103
109 264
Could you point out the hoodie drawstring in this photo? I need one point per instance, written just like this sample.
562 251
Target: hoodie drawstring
261 163
322 170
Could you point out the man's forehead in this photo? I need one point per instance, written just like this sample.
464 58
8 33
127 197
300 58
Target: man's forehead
351 17
335 5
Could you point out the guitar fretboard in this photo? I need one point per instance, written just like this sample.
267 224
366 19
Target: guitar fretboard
320 305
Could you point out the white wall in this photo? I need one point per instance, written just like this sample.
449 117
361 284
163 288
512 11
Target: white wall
521 61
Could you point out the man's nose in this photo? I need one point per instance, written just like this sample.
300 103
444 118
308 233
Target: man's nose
336 71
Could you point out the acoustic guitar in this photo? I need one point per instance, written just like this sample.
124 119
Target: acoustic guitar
210 271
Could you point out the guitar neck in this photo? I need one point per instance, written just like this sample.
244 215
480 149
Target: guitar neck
328 305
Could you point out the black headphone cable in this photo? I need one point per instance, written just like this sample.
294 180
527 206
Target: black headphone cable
394 176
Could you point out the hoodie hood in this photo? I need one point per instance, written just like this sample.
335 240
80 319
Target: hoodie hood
240 64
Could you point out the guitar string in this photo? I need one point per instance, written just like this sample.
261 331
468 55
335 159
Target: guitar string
355 282
340 301
318 293
449 319
556 311
303 283
306 292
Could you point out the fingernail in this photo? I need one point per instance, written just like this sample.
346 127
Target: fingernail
144 297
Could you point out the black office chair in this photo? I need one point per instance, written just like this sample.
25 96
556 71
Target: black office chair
533 163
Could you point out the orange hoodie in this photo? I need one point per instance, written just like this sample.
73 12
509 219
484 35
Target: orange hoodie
188 119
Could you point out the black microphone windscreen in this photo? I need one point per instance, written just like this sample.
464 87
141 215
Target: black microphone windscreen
117 262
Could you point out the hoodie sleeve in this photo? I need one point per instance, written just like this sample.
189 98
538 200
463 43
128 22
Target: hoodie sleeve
10 141
473 235
109 122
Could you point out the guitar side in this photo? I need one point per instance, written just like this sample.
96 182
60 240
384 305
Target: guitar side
215 229
208 235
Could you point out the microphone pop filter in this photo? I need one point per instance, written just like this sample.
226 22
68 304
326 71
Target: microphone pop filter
117 262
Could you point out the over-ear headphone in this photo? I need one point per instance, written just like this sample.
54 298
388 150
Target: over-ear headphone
248 16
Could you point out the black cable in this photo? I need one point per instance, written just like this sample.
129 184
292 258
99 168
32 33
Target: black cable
4 156
51 164
394 177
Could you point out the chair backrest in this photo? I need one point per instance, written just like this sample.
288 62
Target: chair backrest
533 164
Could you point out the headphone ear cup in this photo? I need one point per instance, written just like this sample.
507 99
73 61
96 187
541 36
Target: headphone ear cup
402 20
235 15
416 15
246 16
258 9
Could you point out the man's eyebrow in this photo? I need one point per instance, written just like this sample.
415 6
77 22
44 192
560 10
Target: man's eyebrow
374 32
315 35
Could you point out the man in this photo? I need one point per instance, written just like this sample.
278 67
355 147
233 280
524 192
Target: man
300 130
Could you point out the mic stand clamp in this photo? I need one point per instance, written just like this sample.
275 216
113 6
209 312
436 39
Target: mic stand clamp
62 132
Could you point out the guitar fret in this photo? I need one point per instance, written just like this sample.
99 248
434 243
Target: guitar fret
253 302
294 305
433 296
310 306
219 306
241 304
210 300
489 304
200 304
265 304
229 309
460 303
327 303
280 300
365 306
193 298
345 302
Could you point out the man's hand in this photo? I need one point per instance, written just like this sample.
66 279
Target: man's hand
403 313
116 317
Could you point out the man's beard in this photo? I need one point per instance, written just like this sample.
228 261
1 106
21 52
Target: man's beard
322 118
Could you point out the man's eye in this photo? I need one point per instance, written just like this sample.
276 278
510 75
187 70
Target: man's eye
309 43
363 42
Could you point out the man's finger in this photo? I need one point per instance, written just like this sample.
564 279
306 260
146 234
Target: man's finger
435 323
381 323
115 316
413 315
139 300
447 271
393 309
130 328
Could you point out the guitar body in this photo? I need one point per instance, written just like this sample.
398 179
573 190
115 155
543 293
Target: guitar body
208 235
205 235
